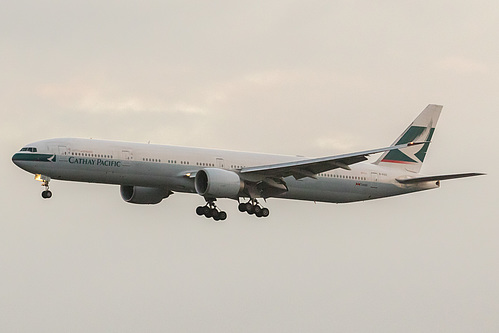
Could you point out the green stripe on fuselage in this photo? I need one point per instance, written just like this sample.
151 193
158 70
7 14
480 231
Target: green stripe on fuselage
34 157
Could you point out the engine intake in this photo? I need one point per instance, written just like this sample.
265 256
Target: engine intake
143 195
218 183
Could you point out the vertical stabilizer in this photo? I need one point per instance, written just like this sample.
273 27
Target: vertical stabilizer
420 130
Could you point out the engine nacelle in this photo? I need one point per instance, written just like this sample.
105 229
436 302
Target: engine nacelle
218 183
143 195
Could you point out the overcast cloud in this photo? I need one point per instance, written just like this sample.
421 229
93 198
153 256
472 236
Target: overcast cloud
313 78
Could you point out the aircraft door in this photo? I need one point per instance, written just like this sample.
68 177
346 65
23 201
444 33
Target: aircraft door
220 163
126 156
63 153
374 180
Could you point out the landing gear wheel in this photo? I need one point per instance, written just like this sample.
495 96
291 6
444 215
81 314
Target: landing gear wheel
200 210
250 209
207 211
46 194
211 210
253 207
265 212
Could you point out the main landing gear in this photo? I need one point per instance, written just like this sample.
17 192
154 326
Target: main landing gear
253 207
211 210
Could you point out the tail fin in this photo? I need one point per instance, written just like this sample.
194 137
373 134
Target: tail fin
421 129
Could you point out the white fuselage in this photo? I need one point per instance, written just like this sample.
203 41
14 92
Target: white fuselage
171 167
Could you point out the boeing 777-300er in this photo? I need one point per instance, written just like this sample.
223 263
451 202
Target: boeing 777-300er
148 173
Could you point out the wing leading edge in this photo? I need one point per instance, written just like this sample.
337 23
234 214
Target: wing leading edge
312 167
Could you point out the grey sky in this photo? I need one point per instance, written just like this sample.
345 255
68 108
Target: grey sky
313 78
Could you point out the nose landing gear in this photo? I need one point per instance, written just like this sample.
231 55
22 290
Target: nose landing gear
46 194
211 210
253 207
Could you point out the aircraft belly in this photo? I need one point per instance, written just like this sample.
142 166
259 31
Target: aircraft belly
383 190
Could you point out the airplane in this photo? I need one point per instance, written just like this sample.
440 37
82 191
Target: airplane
148 173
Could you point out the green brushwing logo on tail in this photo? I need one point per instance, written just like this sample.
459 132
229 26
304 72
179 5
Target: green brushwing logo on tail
413 134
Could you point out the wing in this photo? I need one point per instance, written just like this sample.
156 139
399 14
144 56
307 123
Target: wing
311 167
414 180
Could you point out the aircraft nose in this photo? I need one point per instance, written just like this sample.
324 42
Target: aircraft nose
16 158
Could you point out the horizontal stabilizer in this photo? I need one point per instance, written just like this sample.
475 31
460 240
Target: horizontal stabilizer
440 177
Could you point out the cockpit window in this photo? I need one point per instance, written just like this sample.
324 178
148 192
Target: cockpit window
30 149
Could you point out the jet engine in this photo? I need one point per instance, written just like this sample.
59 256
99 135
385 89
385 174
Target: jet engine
143 195
218 183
